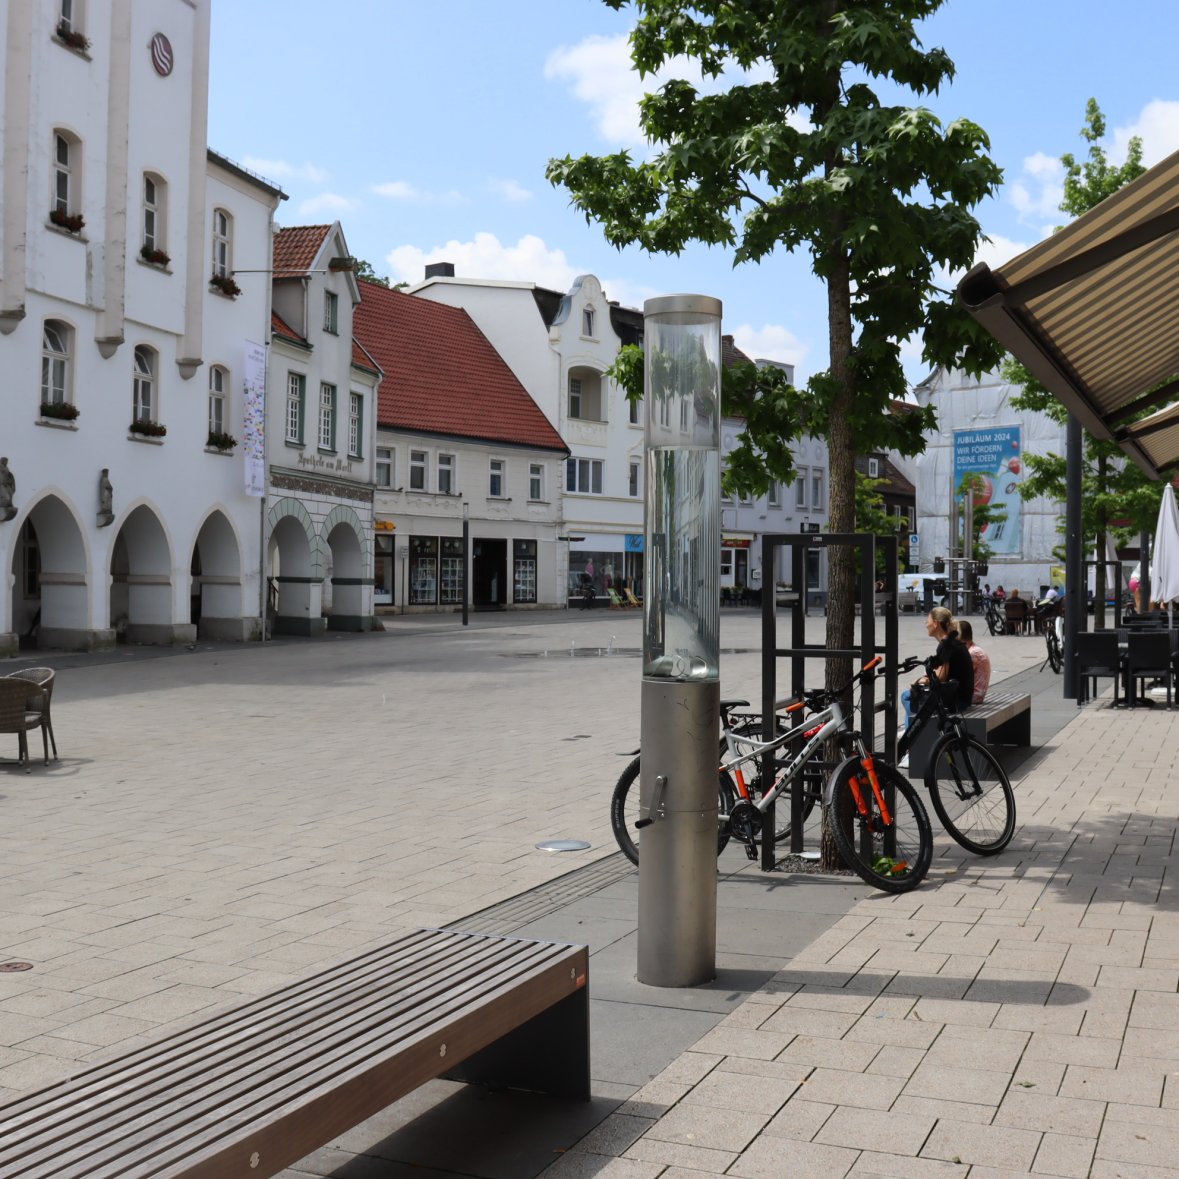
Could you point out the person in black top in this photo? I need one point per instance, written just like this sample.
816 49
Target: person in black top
951 661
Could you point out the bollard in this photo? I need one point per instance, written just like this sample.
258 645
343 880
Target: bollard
681 643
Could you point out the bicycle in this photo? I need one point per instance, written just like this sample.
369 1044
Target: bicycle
1050 616
878 822
995 615
969 790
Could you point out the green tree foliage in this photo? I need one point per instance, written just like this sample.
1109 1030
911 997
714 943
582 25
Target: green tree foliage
796 150
1116 494
364 269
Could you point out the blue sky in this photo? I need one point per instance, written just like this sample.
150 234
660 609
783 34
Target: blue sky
425 128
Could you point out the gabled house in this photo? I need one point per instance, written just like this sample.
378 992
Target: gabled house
321 419
458 439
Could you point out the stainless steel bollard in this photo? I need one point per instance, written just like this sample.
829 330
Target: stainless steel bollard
677 861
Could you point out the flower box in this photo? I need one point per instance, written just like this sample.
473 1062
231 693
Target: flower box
225 284
71 222
148 429
64 411
72 37
153 256
219 440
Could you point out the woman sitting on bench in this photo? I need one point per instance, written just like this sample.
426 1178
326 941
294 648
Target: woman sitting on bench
980 659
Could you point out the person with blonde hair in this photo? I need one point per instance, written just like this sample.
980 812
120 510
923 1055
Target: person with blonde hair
951 662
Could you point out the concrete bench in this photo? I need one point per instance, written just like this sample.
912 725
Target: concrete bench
254 1089
1004 718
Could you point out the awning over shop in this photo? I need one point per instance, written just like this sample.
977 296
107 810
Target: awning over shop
736 540
1093 313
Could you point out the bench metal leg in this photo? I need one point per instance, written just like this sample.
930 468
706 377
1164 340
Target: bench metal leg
548 1054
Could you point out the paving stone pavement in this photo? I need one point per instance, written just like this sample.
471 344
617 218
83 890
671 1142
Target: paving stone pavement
225 820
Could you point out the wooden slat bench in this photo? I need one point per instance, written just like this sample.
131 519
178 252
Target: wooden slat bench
1004 718
263 1084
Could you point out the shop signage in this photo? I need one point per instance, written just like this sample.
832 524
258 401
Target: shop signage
634 542
384 526
731 540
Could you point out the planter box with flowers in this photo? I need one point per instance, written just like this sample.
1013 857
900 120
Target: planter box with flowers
63 411
219 440
153 256
70 222
148 429
72 37
225 285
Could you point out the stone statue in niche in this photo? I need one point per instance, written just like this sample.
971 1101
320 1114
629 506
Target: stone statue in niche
106 499
7 491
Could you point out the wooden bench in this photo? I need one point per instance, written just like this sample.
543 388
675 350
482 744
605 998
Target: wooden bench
1004 718
252 1090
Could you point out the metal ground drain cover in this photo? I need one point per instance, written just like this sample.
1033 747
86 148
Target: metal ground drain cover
560 845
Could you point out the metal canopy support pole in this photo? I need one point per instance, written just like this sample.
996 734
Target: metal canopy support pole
466 559
1075 585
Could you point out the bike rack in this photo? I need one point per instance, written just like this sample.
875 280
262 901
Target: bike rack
799 651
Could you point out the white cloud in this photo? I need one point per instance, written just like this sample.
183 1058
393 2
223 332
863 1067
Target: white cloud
509 190
281 170
326 202
996 250
599 73
771 341
1038 191
529 260
398 190
1158 127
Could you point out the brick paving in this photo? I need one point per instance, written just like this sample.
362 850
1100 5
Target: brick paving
227 820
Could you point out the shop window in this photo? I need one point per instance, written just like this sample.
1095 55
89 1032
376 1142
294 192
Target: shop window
524 571
423 570
451 580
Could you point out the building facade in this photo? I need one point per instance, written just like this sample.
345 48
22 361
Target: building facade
120 513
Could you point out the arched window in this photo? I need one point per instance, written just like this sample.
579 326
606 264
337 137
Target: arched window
222 243
143 406
56 343
218 385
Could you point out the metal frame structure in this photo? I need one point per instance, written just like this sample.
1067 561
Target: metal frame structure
799 651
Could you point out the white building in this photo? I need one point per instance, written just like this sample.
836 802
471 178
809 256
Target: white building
320 430
560 345
458 433
980 432
120 353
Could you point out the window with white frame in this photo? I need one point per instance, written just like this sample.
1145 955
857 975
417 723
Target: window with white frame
635 481
331 308
635 412
218 386
583 476
575 397
154 206
56 342
355 416
773 494
67 160
222 243
818 502
873 468
536 481
587 322
384 466
327 416
446 474
418 465
143 390
495 478
296 399
800 490
69 16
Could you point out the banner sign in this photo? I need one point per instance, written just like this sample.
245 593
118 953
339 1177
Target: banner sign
994 455
634 542
254 418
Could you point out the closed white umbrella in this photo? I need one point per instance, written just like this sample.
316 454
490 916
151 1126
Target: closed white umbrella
1164 568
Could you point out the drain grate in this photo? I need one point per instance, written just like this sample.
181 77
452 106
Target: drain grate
516 912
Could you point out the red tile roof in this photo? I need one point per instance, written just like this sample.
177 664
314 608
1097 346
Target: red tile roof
280 327
361 359
295 249
731 354
442 375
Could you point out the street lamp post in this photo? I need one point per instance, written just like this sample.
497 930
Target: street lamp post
466 557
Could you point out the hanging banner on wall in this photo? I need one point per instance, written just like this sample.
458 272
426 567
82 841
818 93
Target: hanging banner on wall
994 454
254 418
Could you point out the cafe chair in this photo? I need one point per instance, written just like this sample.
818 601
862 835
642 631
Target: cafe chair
1148 658
17 714
1098 657
42 678
1017 616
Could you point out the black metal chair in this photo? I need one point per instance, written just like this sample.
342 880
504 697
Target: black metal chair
1148 657
1098 657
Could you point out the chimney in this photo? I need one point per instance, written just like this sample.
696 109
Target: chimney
440 270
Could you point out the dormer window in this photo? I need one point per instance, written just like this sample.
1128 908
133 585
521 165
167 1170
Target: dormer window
873 468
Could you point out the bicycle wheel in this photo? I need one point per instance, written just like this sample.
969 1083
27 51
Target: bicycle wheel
624 811
1055 654
971 794
893 857
752 772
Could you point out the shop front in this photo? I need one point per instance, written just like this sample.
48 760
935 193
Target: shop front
605 562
